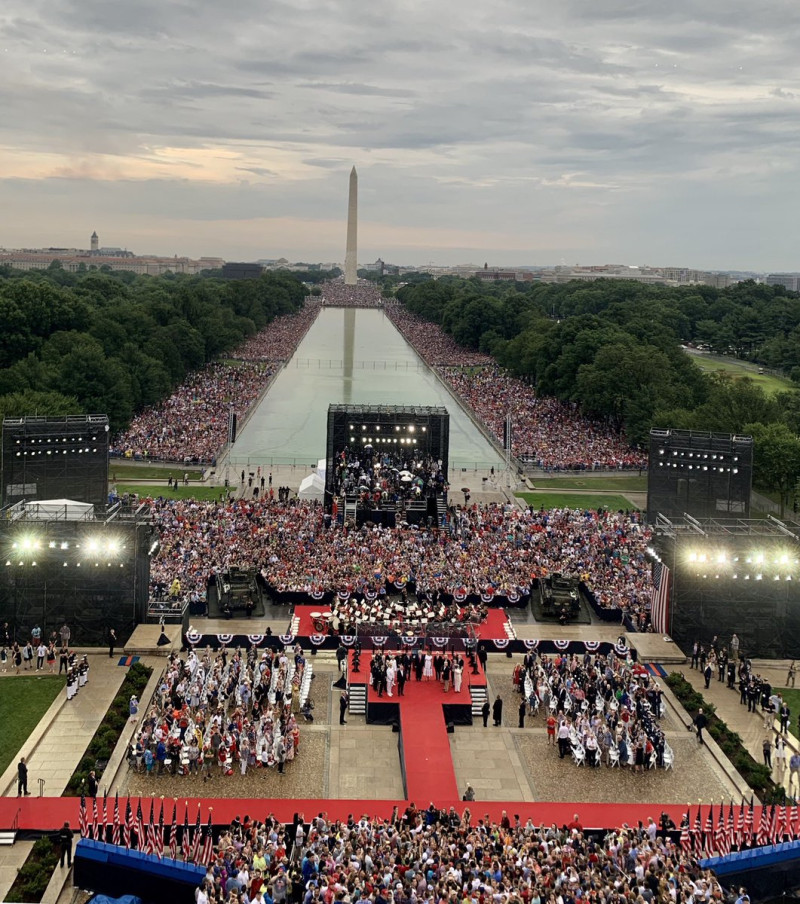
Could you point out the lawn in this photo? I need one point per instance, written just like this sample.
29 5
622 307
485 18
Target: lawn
119 470
577 500
740 369
24 699
202 493
618 484
792 697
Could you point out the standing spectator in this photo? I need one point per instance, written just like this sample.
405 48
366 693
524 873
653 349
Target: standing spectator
91 784
65 841
65 635
343 701
497 711
485 710
766 746
22 778
41 653
112 641
133 708
791 675
735 648
794 770
708 673
522 707
784 714
700 722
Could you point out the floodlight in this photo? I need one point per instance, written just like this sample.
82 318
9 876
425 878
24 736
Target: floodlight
92 545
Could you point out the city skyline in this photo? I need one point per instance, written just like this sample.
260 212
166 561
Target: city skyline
520 134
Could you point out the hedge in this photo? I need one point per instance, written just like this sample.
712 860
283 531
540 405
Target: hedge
105 739
757 775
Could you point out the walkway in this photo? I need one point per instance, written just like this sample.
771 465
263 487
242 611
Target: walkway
749 726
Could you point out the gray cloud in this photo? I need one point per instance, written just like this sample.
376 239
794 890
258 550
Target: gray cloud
635 131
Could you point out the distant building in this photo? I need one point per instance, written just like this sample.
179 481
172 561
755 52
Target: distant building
241 271
790 281
95 241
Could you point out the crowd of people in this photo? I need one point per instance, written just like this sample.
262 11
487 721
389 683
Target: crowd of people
362 295
486 549
214 714
427 856
548 433
278 341
432 344
597 709
191 426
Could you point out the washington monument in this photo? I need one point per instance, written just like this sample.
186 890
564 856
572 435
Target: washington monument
351 253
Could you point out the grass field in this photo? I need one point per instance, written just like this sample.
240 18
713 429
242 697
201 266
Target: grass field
792 697
739 369
631 482
129 471
161 489
577 500
24 699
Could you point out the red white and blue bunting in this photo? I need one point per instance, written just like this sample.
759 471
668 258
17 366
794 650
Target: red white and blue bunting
501 643
255 639
286 639
531 644
224 639
318 639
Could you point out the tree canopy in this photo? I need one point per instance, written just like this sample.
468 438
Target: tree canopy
112 343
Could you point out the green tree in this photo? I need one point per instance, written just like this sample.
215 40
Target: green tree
776 459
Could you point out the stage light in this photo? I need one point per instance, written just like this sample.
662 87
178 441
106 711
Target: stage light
784 559
92 546
112 547
52 544
424 429
397 429
378 429
8 561
759 577
759 558
735 576
692 556
65 545
363 426
721 558
411 429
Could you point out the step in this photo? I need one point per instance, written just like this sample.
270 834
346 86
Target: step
358 699
7 838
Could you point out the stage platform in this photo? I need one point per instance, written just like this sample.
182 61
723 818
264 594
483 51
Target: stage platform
48 814
422 715
496 626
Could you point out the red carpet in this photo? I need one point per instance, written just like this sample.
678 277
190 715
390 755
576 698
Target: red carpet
494 628
50 813
426 745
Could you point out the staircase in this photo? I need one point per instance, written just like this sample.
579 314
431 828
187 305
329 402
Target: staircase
358 699
7 838
479 697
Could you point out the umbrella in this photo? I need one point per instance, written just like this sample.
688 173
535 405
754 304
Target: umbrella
465 490
407 478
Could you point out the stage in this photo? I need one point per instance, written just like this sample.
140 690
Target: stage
422 715
48 814
309 620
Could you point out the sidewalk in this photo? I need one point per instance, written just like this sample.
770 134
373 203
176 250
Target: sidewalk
749 726
55 748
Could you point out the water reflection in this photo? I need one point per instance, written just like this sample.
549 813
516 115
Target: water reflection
354 357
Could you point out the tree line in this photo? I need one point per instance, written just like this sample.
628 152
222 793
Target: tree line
115 342
614 347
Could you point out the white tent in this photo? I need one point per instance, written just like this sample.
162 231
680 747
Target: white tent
322 467
59 510
312 487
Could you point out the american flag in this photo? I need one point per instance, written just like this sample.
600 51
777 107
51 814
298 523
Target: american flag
740 826
186 841
697 832
709 832
173 836
197 842
160 836
775 826
721 836
127 826
208 843
82 817
95 822
792 828
749 825
151 831
659 610
686 837
763 827
140 832
105 816
115 830
731 837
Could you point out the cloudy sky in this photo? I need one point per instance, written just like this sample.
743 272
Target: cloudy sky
513 131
